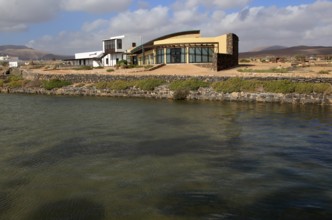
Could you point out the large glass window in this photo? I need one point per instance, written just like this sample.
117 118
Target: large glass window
110 46
176 55
200 55
119 44
160 55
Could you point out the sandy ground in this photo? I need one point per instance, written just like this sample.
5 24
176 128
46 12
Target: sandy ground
193 70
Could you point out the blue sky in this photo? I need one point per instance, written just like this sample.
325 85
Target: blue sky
69 26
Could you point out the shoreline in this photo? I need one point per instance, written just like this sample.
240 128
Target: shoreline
162 92
85 85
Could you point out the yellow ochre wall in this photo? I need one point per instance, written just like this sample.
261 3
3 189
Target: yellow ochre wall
221 40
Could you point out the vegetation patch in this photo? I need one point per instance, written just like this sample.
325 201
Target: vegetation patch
272 70
1 83
272 86
55 83
180 94
190 84
324 72
110 70
115 85
149 84
83 68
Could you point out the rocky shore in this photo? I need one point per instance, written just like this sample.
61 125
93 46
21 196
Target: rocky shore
85 85
163 92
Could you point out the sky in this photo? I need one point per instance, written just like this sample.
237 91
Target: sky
70 26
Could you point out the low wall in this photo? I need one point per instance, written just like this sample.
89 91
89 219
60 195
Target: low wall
94 78
163 92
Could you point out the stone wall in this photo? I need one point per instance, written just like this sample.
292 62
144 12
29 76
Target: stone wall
229 60
163 92
93 78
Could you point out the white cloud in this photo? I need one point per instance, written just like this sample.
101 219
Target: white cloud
256 26
95 6
222 4
15 15
140 20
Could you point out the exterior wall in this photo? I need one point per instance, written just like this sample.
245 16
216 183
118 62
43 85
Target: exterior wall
220 40
88 55
229 59
112 59
118 54
13 64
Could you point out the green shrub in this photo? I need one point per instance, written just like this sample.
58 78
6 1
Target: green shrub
55 83
190 84
14 78
16 84
304 88
4 63
119 85
83 68
272 70
279 86
149 84
322 88
180 94
101 85
324 72
1 82
228 86
244 61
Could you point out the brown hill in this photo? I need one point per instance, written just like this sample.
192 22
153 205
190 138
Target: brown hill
290 51
26 53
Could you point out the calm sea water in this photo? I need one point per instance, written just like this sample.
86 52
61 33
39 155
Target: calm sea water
104 158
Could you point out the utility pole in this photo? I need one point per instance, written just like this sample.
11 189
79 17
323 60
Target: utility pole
143 56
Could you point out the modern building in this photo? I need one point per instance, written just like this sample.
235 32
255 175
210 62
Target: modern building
88 59
117 48
114 50
220 52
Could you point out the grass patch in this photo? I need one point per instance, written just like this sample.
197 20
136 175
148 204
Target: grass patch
110 70
272 70
115 85
55 83
279 86
190 84
119 85
83 68
275 86
237 85
324 72
149 84
99 67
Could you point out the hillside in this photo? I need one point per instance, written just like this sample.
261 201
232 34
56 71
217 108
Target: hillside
290 51
26 53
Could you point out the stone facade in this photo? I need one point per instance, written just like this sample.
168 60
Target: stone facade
163 92
93 78
229 60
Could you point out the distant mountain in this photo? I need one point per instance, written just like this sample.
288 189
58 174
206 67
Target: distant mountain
289 51
26 53
276 47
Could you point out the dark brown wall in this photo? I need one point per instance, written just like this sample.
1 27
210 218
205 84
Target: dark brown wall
229 60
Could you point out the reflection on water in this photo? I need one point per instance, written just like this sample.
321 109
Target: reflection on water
104 158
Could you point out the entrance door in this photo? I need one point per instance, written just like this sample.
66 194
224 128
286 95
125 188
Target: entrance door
175 55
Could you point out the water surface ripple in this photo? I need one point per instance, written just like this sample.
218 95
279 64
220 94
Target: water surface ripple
107 158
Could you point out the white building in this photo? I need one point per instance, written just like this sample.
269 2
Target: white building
12 61
117 48
88 59
114 50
